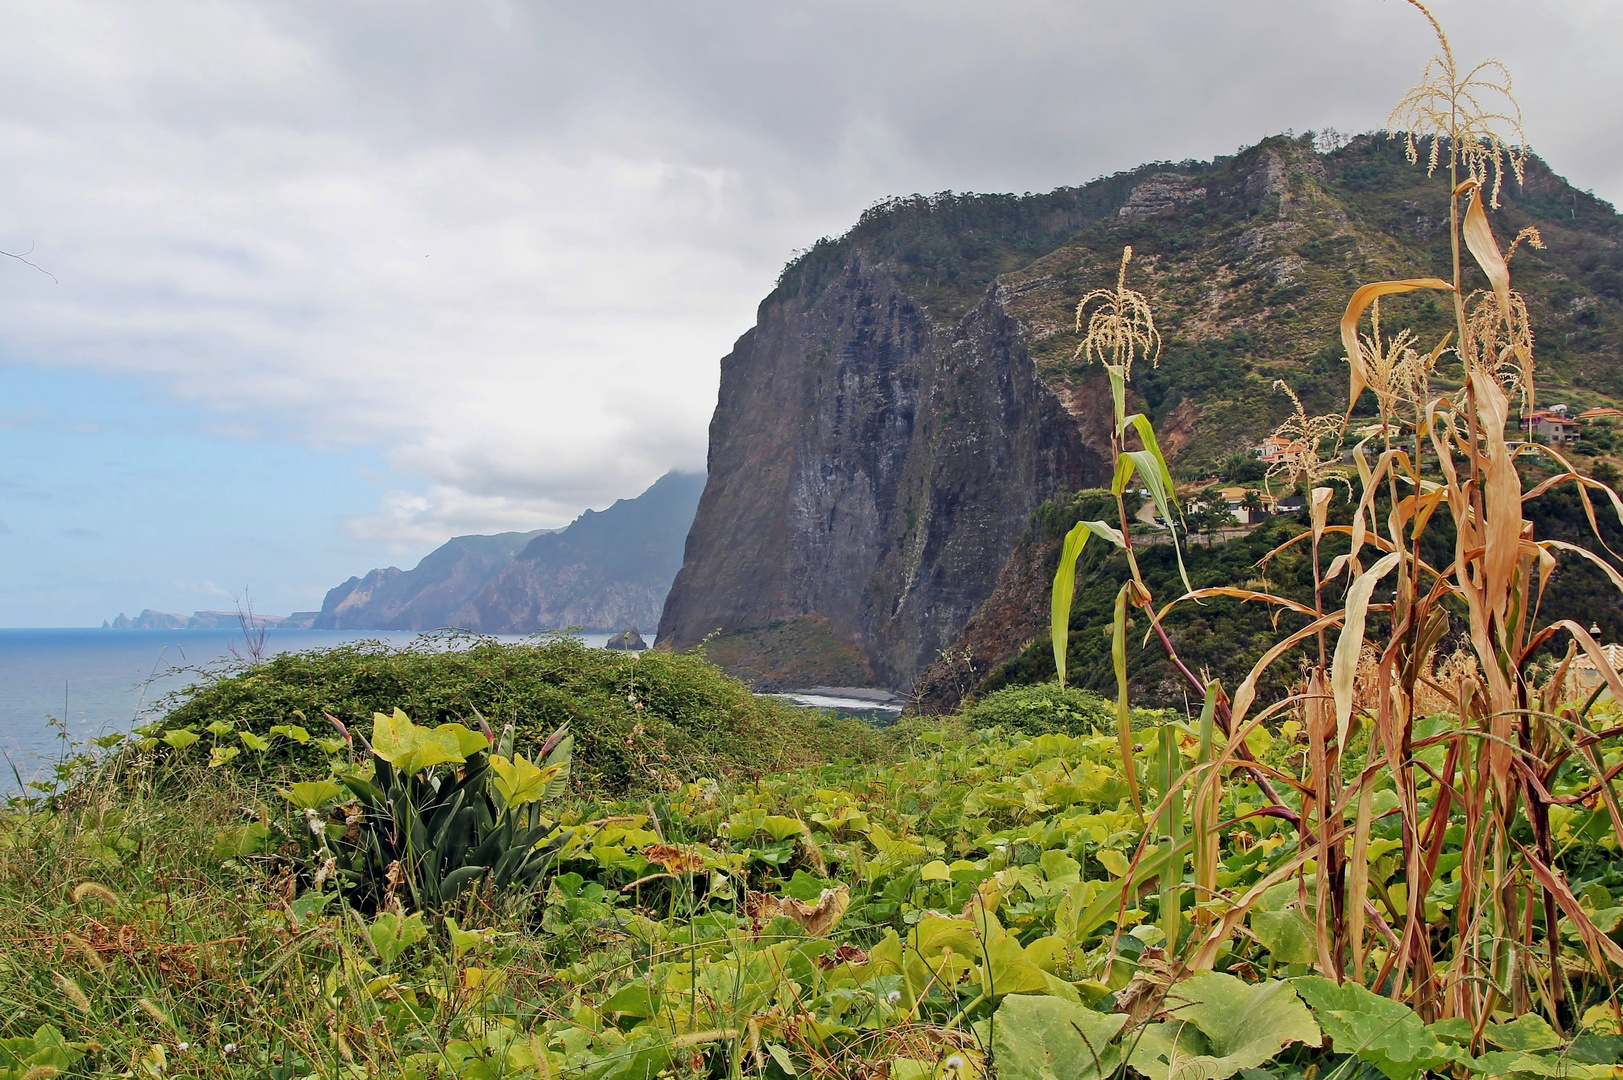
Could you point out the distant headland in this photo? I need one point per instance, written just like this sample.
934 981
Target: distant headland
210 620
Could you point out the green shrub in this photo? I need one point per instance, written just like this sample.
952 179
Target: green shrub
641 721
1047 707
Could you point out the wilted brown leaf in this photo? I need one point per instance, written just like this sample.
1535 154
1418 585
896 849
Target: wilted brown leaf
816 919
675 860
845 954
1142 997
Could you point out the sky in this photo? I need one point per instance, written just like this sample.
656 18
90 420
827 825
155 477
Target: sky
321 285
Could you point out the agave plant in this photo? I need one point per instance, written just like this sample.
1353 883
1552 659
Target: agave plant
440 813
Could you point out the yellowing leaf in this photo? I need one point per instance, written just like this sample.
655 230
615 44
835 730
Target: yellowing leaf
1361 299
1114 861
180 738
1478 237
1345 666
411 748
519 782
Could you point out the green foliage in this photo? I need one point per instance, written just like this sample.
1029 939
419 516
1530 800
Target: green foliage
977 893
1045 1038
640 720
436 814
1221 1026
1042 708
1375 1029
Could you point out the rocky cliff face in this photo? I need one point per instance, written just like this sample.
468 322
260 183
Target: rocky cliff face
910 392
871 466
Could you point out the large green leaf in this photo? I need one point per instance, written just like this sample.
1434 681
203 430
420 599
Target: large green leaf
45 1053
1222 1025
311 794
1287 935
1045 1038
1385 1033
411 749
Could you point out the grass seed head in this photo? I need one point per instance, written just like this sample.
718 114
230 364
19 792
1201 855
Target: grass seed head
72 992
101 892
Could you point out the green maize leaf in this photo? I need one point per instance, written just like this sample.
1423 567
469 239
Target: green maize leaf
1118 394
1046 1038
1375 1029
1223 1025
1104 906
1124 717
1064 591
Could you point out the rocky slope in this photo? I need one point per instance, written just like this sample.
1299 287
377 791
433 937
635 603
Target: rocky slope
605 571
909 394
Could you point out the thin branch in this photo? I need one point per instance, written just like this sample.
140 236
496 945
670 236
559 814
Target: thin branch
22 258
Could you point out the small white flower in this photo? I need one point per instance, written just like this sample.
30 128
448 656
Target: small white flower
893 997
228 1047
183 1047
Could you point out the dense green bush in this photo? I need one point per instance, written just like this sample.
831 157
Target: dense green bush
1048 707
640 720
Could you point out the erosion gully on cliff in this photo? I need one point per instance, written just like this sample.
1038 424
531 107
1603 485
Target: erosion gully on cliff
909 396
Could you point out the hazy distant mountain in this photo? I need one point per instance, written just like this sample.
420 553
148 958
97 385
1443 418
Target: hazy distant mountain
424 597
605 571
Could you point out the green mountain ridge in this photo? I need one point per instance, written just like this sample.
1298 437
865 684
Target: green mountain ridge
910 395
1249 261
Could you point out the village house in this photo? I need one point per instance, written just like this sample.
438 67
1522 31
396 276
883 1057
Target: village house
1235 498
1551 426
1275 450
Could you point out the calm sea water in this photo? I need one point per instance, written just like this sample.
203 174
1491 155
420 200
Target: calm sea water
101 681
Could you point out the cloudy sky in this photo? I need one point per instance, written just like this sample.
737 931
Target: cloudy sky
331 282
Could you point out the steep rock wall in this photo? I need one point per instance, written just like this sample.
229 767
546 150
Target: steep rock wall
871 467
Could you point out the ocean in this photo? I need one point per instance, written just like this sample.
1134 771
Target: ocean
95 682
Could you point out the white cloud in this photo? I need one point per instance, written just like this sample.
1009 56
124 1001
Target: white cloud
507 243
